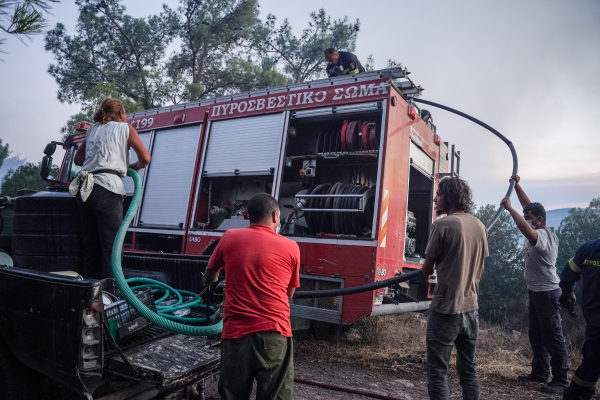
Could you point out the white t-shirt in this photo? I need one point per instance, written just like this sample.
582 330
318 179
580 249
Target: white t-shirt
540 262
107 147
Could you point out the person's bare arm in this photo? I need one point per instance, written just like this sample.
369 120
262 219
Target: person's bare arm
80 155
428 266
527 231
136 144
290 292
523 199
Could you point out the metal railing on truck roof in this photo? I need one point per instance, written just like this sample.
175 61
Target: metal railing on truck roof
405 87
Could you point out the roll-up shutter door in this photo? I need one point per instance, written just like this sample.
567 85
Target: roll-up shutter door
421 160
169 182
244 146
127 181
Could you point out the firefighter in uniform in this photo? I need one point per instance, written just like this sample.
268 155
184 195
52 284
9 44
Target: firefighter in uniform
342 63
585 265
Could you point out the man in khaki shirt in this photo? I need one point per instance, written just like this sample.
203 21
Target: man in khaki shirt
457 248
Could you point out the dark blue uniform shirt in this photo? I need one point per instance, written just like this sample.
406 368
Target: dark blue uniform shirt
348 64
585 265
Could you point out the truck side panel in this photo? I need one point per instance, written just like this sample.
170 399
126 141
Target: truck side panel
41 319
402 130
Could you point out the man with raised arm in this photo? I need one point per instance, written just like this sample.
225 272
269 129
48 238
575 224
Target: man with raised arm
456 249
262 270
545 326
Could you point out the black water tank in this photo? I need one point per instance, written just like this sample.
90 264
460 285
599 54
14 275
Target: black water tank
47 233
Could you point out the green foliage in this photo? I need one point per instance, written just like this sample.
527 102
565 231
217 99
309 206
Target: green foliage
369 64
4 152
215 55
23 18
582 225
502 289
92 101
27 176
595 203
302 57
111 47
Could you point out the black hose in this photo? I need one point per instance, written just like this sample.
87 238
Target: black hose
311 294
414 274
515 169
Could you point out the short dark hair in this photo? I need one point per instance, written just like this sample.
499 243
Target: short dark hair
456 192
260 207
536 209
330 50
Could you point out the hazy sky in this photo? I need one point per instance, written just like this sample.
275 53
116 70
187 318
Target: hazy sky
530 69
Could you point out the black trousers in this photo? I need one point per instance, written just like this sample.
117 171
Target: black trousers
583 385
445 331
101 217
546 337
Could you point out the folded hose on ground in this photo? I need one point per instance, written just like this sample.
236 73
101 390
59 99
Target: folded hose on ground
162 319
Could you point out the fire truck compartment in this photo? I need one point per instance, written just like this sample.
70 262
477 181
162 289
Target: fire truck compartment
420 208
332 163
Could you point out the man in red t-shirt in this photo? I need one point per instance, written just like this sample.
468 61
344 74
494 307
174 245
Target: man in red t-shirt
262 271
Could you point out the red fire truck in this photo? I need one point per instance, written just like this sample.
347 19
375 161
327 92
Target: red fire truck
352 157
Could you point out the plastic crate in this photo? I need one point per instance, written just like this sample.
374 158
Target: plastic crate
123 320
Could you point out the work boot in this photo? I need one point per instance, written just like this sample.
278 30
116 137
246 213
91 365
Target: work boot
531 378
553 388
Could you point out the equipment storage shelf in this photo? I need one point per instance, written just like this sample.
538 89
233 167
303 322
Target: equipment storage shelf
329 175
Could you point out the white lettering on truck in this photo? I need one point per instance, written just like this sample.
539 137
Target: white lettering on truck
309 97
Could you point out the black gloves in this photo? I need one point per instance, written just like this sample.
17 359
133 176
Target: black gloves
567 300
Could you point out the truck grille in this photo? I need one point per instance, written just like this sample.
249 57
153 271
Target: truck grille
327 309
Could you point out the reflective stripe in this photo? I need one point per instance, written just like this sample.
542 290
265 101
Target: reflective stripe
583 383
344 72
354 71
574 266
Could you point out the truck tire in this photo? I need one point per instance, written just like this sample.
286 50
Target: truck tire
17 381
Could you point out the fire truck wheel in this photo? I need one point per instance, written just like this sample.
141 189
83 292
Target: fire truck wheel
17 381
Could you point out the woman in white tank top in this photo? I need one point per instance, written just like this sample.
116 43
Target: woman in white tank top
104 158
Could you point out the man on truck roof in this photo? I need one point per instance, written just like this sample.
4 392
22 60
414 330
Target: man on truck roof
262 270
545 326
342 63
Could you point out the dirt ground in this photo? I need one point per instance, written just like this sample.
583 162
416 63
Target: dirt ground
387 356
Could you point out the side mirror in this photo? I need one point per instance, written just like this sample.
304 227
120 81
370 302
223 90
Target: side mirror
45 166
50 149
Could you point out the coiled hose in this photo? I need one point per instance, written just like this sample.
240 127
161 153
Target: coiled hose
163 319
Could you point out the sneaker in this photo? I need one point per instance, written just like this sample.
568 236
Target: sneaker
553 388
531 378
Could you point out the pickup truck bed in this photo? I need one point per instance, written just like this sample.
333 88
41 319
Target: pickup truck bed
41 322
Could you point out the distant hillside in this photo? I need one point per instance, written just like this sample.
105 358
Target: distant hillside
555 217
11 163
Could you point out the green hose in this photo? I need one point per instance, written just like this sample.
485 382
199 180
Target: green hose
163 319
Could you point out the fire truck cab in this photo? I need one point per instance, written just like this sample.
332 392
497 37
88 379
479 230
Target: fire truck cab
352 157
